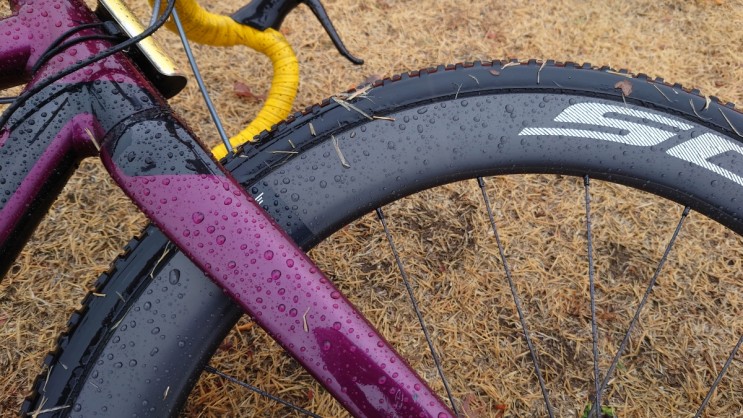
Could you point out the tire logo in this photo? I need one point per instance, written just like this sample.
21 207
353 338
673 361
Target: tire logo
698 150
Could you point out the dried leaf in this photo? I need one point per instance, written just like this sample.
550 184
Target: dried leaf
367 80
371 79
467 406
245 327
500 410
625 86
242 90
497 36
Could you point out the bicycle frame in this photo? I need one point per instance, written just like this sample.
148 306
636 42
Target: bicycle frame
109 109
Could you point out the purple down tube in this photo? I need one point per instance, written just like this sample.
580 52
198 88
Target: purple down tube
228 235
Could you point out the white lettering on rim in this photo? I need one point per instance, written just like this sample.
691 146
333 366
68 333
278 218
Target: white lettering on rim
595 114
697 151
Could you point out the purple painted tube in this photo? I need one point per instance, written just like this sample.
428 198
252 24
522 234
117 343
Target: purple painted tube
226 233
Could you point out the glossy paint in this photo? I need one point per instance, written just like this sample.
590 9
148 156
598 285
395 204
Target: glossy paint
109 107
44 140
225 232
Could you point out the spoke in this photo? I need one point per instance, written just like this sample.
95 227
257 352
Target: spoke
645 297
211 369
516 299
409 288
592 290
719 378
155 11
200 82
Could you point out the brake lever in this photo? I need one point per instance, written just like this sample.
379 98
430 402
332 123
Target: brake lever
264 14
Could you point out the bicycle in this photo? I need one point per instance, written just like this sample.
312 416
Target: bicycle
530 69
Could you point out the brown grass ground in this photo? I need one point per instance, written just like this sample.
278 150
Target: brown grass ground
692 321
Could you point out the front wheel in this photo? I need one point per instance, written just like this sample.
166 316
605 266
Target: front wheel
140 353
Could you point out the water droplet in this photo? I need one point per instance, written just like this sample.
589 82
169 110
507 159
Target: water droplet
326 345
155 330
282 308
268 255
221 239
336 326
174 276
335 295
292 312
197 217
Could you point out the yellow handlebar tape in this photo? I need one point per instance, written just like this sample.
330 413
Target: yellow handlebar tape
217 30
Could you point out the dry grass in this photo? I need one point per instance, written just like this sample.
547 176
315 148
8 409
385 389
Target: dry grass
691 322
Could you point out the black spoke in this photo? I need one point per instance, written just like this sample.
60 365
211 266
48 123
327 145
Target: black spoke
409 288
719 378
211 369
592 290
641 305
200 82
516 299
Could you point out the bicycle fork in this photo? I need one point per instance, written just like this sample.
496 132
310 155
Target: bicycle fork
174 180
109 109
